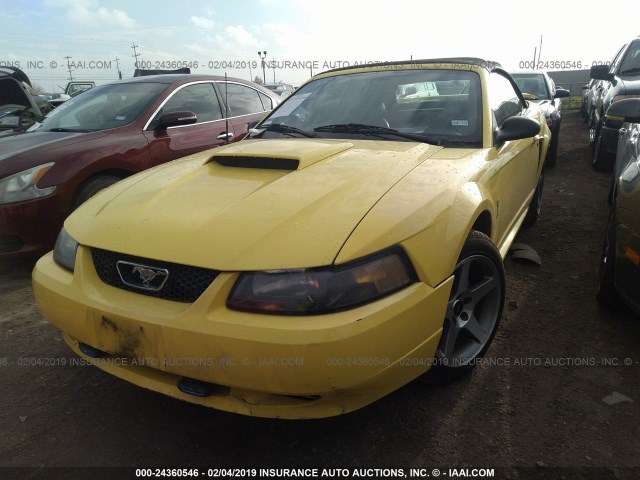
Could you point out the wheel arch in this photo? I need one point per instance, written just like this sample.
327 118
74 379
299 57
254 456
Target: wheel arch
473 210
483 223
110 172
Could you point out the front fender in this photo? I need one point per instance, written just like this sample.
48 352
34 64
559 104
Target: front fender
435 251
429 213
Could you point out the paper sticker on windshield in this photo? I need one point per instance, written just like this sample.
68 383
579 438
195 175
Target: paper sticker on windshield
459 123
121 117
288 107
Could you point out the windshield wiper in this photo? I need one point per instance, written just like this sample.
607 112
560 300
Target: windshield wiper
281 128
75 130
374 130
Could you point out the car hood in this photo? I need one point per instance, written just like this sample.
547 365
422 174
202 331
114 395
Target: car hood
257 205
28 149
12 92
631 84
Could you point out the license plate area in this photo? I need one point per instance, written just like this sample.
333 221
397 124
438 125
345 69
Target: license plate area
127 338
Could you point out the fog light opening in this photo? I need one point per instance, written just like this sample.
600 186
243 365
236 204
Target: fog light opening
196 388
90 351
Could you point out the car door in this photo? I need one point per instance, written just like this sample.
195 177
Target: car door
627 215
246 105
516 161
210 129
602 101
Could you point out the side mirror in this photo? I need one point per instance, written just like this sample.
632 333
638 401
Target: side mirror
515 128
600 72
253 124
176 119
562 93
625 110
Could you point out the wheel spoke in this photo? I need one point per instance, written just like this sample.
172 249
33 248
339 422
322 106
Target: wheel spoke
482 289
449 338
474 328
463 277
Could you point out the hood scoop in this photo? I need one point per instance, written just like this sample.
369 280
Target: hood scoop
276 154
263 163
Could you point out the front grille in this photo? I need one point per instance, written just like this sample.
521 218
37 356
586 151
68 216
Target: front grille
184 283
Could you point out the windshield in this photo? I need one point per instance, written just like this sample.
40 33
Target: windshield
101 108
631 62
440 105
533 85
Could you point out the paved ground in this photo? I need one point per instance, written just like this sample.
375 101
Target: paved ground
535 409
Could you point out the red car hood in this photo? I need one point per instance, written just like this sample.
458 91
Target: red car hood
26 150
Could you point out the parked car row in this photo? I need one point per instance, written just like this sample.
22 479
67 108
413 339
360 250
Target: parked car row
612 109
279 267
611 83
619 279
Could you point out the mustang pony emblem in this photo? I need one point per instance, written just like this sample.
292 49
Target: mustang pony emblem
146 274
142 276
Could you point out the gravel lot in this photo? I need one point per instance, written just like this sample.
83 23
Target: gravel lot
538 407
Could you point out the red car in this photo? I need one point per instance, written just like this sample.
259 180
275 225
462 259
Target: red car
108 133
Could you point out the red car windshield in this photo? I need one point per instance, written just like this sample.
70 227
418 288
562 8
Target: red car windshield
101 108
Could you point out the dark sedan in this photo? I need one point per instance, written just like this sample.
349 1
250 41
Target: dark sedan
620 80
108 133
540 88
620 264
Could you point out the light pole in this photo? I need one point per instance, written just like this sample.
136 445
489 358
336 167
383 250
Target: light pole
262 58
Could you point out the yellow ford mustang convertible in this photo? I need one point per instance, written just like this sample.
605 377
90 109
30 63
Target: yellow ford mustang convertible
351 245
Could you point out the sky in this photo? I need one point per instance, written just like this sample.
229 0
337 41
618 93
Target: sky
300 37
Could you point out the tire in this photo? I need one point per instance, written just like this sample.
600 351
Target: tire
536 204
601 160
92 186
552 153
606 294
473 311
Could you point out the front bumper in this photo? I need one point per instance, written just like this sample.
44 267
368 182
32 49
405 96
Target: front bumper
262 365
30 227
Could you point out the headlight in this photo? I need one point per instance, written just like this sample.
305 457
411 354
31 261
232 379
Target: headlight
23 186
64 253
323 290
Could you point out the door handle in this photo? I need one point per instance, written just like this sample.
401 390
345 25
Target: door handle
225 136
